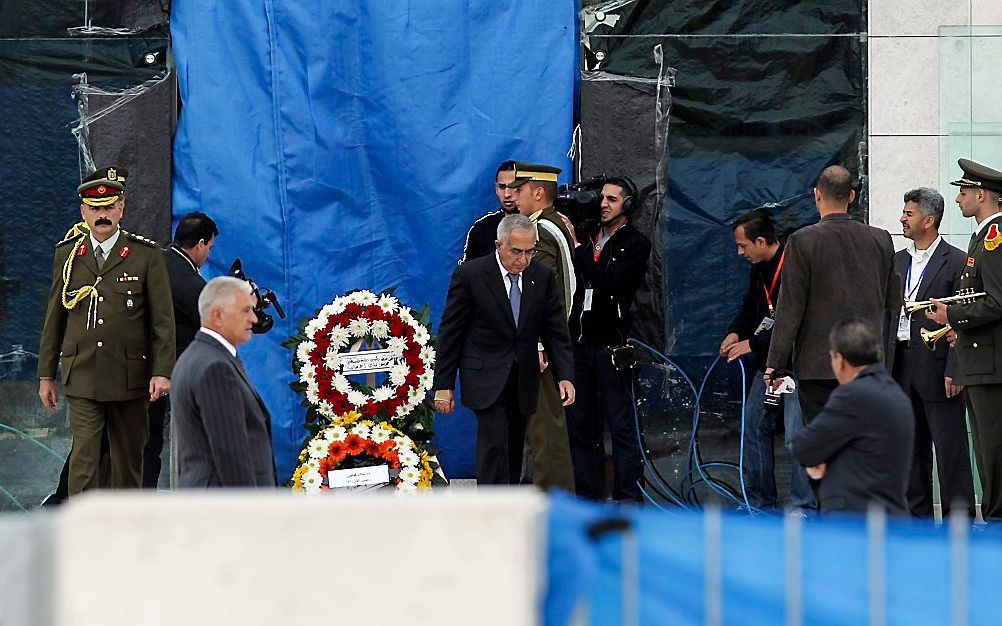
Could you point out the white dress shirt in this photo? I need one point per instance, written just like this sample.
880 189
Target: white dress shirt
108 245
912 281
504 275
220 339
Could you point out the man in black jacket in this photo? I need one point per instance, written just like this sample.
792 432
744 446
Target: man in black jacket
498 308
860 445
749 334
930 267
610 267
834 269
193 240
481 236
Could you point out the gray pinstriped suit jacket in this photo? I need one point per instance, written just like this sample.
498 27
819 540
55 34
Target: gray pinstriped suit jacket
223 427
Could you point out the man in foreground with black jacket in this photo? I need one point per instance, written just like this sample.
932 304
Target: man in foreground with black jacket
610 268
749 334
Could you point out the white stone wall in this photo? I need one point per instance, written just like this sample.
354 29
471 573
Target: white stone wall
260 559
923 114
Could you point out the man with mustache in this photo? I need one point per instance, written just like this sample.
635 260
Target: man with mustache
109 326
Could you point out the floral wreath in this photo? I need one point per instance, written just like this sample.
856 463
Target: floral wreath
348 321
351 442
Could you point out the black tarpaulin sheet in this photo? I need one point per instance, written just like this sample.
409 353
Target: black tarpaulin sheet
766 94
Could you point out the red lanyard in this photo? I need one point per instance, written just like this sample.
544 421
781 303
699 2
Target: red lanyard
769 292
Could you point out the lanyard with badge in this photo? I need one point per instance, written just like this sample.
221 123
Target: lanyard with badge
904 320
769 320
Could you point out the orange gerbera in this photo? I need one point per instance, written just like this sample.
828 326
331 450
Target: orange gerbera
355 445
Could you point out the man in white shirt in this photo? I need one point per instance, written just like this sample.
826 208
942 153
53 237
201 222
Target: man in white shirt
930 267
223 427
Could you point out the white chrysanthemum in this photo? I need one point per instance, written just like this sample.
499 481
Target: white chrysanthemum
427 355
317 449
327 310
326 409
405 315
313 394
382 394
408 457
338 433
380 329
366 298
361 430
402 410
331 359
357 398
340 336
379 434
397 345
403 443
312 480
339 304
313 464
340 383
421 335
406 489
303 351
409 475
426 380
415 395
358 326
308 373
398 374
312 327
388 303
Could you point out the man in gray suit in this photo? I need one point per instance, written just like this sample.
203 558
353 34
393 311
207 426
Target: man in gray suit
223 427
835 269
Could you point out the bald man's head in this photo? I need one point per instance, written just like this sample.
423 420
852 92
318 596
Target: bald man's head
835 184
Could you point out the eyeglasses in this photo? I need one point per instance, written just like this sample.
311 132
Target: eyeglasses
516 252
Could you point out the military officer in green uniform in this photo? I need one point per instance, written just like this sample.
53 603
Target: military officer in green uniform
535 191
109 325
978 325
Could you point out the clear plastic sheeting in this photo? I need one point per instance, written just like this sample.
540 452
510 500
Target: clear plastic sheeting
351 145
767 93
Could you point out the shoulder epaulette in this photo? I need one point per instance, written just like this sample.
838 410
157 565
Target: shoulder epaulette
71 239
141 239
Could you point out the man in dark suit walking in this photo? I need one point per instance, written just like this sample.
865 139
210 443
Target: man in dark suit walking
223 427
834 269
193 240
860 445
979 327
931 267
497 310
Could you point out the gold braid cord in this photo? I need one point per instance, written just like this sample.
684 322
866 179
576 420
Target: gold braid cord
72 298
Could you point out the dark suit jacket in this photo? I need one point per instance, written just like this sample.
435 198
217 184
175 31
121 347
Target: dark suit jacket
835 269
942 276
481 236
979 324
223 427
865 435
185 286
478 336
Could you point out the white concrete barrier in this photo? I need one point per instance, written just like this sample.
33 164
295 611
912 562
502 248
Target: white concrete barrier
249 559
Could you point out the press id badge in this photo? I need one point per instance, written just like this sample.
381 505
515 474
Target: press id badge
904 324
766 324
586 305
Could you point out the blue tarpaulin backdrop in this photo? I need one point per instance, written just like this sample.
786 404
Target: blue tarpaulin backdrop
348 145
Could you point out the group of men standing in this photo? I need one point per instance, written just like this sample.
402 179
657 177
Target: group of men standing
532 315
873 398
120 310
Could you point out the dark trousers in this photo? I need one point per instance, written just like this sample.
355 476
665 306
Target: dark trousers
501 437
814 395
943 424
126 423
155 442
985 405
602 399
